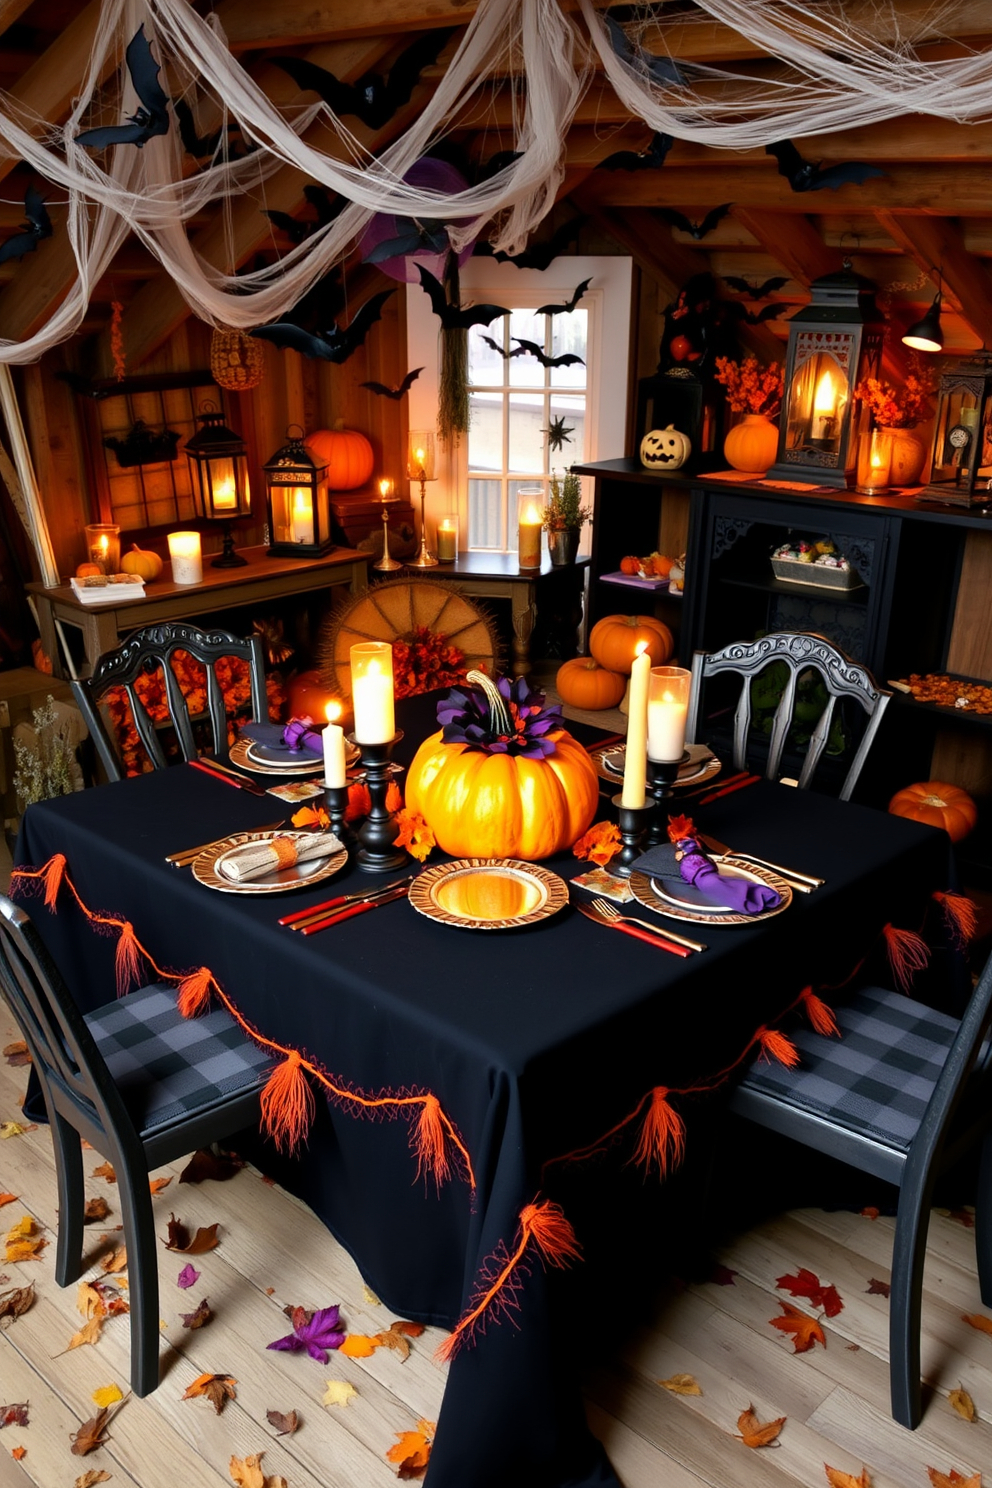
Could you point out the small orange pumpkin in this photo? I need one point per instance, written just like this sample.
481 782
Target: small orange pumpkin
583 683
630 565
346 453
939 805
88 570
615 639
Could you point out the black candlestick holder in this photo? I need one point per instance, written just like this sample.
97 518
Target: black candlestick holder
662 775
633 822
336 804
377 834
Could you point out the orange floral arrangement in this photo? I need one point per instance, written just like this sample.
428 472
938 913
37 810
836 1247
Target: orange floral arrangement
900 408
414 834
235 684
426 660
751 387
599 845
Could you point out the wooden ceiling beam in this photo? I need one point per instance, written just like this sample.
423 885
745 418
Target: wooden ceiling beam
10 11
937 247
48 88
792 241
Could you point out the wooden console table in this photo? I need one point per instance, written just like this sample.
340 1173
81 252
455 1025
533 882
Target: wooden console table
262 580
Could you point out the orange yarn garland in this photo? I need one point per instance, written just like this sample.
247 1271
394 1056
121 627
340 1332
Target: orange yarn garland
287 1104
960 915
821 1016
907 954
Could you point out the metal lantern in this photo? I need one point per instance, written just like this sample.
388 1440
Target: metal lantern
961 472
834 343
218 465
296 494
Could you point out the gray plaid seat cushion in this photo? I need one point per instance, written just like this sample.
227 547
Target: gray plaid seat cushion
877 1078
167 1066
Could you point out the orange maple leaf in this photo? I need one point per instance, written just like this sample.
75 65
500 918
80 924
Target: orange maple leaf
599 844
752 1433
308 817
983 1324
18 1452
805 1330
838 1479
414 834
359 801
358 1346
412 1450
954 1479
807 1284
217 1388
394 797
6 1198
156 1185
679 827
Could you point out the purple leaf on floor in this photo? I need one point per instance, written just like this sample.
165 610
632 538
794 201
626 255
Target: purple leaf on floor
187 1277
314 1331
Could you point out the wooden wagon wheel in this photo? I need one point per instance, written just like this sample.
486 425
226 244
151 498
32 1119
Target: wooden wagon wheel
389 611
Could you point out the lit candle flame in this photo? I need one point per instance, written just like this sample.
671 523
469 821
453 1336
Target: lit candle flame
104 545
825 397
640 648
385 488
333 711
531 516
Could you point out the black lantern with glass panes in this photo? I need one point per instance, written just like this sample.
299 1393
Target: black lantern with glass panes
834 343
961 469
298 504
218 465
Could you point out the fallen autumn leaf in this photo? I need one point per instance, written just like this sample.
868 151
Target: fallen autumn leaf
962 1402
95 1210
751 1431
283 1422
838 1479
217 1388
338 1392
681 1384
198 1319
179 1238
805 1330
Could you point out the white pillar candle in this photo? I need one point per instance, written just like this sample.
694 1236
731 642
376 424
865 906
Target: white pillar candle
635 767
302 515
372 692
668 704
334 765
447 540
187 564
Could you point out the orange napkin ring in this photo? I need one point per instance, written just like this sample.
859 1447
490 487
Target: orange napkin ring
285 851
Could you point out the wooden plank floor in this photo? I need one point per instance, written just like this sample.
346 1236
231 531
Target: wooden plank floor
273 1252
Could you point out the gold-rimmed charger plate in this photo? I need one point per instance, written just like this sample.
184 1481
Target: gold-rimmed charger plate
242 756
488 893
205 870
653 895
692 773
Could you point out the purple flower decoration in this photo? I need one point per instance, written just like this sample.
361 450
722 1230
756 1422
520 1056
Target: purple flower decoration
501 718
314 1331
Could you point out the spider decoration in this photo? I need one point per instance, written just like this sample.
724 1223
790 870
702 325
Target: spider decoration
558 433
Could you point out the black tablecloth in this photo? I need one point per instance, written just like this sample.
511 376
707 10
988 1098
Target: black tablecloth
536 1042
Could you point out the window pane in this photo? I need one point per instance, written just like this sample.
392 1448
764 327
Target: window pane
485 431
573 410
485 514
527 371
485 366
526 438
570 335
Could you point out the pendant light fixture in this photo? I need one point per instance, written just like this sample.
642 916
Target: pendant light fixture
926 334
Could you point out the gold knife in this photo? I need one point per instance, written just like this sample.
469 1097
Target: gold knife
180 859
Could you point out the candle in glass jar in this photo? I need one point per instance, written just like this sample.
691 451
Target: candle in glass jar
372 692
302 515
529 537
447 540
103 545
334 762
635 764
668 704
385 489
187 563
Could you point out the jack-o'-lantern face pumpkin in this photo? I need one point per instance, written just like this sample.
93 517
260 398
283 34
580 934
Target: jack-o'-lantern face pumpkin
665 449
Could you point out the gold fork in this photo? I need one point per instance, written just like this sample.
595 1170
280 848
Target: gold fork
610 912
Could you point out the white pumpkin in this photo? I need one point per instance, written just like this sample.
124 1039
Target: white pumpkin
665 449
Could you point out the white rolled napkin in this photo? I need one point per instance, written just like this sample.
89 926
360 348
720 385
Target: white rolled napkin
258 858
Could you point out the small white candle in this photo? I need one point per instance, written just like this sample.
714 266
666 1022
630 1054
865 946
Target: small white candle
447 540
635 767
302 516
372 693
334 766
187 563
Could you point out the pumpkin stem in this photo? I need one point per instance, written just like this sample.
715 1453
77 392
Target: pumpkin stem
497 705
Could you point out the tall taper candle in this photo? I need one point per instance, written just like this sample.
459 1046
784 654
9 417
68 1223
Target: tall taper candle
635 766
334 764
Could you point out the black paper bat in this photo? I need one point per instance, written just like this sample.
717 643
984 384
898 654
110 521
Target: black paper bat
653 158
569 305
414 237
697 230
661 69
299 229
373 99
152 117
540 255
532 349
38 226
755 291
803 175
382 391
332 345
452 317
506 355
751 317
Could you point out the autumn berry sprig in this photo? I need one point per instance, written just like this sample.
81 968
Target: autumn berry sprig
751 387
899 408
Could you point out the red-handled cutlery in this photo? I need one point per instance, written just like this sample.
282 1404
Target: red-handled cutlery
648 936
399 892
217 772
317 911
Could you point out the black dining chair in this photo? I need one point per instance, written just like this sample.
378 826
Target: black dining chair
901 1094
154 647
143 1085
799 651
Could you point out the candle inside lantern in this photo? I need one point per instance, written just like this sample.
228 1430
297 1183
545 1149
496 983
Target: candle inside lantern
529 536
420 455
385 489
824 407
447 540
635 764
372 692
187 563
334 761
103 546
668 704
301 517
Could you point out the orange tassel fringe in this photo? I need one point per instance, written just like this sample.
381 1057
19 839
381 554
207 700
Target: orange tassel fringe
775 1045
661 1142
194 992
428 1143
960 915
546 1225
54 874
127 962
821 1016
287 1104
907 954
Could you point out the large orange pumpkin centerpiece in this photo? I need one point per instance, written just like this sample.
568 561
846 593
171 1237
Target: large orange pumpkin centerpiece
502 779
346 453
615 640
939 804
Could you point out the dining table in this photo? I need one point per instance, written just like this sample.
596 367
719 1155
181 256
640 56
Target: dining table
537 1041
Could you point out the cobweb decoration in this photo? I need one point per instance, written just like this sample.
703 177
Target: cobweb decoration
838 66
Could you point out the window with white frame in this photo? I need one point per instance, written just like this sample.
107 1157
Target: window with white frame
515 400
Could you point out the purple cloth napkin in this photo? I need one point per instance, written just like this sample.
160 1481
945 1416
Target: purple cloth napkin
736 893
295 741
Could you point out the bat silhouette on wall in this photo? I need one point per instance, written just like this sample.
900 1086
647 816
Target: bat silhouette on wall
569 305
373 99
414 236
803 175
755 291
299 229
540 255
151 118
653 158
661 70
333 345
38 226
697 230
531 348
755 317
452 317
382 391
